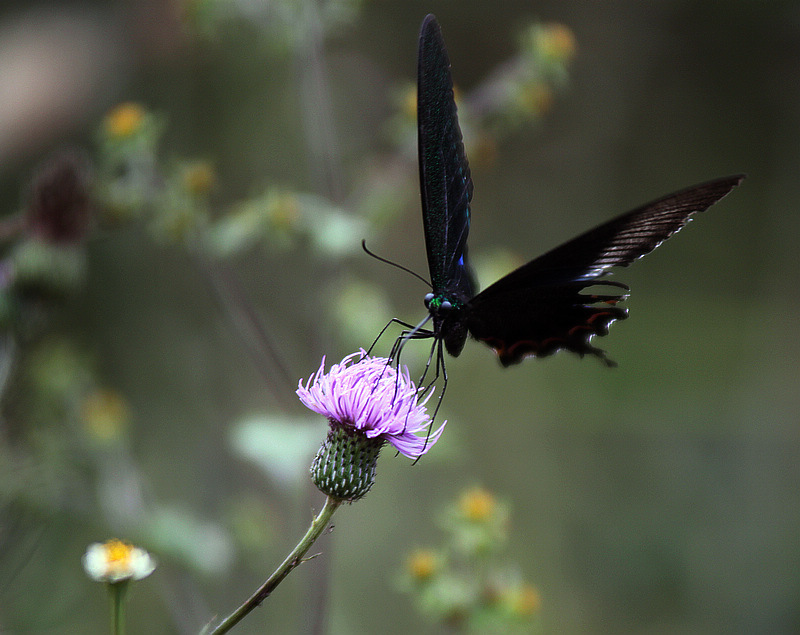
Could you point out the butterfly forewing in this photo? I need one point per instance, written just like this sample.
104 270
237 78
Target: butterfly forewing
621 240
445 180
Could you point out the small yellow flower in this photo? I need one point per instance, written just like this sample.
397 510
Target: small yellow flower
535 98
422 564
105 414
124 120
116 561
557 42
477 504
526 601
199 178
283 211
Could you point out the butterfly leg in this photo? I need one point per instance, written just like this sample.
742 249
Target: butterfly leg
440 371
384 329
416 333
394 353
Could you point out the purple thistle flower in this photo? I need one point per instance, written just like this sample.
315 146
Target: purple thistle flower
371 396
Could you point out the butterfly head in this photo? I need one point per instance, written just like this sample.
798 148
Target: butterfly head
447 323
439 306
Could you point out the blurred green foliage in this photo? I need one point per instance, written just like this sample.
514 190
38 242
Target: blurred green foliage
465 584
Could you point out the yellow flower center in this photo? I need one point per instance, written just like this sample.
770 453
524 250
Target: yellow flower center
558 42
118 554
124 120
527 601
477 504
422 564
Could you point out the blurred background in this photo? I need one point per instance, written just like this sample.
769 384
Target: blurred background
221 162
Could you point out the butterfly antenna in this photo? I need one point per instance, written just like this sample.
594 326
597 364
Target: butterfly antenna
394 264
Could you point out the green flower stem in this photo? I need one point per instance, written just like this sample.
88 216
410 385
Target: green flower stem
117 590
318 525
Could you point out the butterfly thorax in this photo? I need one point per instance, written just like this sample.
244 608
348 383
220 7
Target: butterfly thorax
446 312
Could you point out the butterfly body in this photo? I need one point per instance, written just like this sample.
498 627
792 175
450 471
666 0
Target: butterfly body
559 300
447 313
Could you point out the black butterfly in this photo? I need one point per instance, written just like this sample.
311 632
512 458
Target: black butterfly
545 305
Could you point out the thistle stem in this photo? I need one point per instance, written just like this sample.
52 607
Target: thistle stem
318 525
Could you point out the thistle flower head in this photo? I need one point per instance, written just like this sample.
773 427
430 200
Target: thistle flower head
367 402
373 397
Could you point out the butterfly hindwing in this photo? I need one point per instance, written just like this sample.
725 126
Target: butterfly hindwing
518 323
